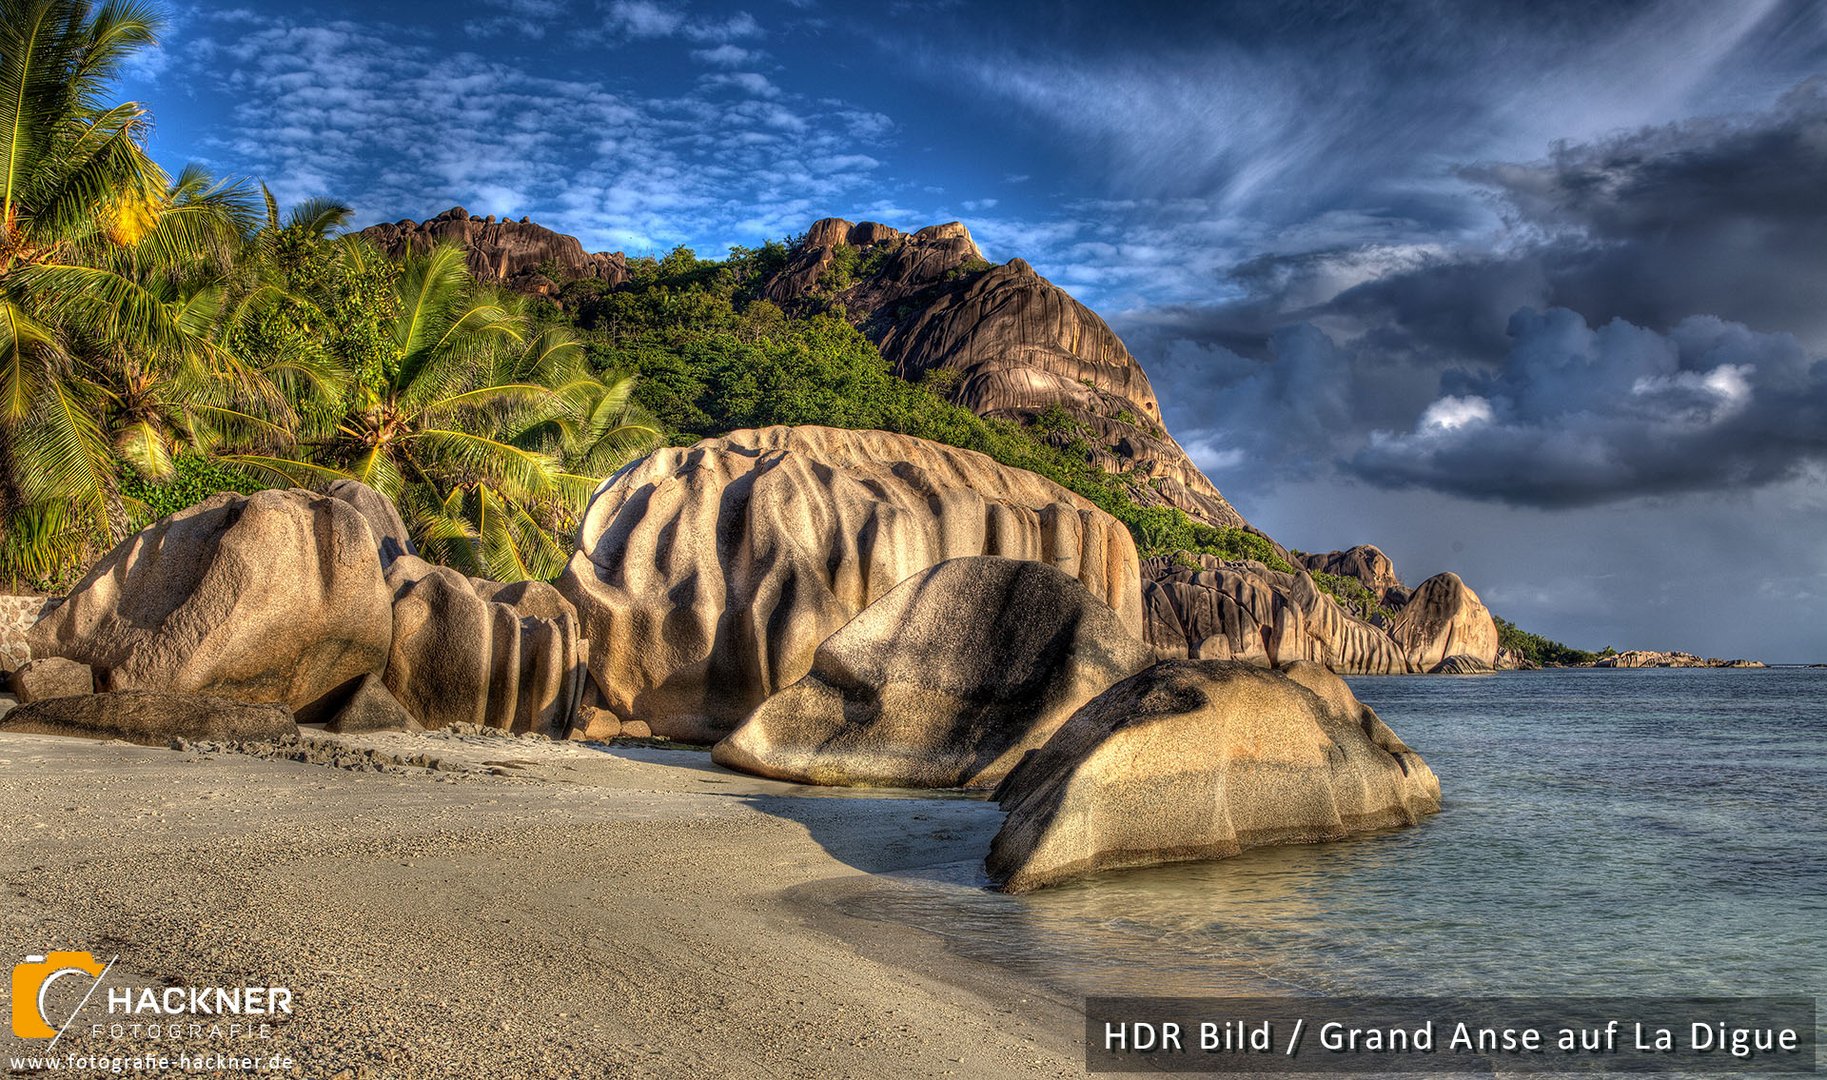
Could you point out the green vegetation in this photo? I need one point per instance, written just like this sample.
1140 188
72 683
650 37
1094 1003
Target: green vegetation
111 285
1541 650
1353 595
159 341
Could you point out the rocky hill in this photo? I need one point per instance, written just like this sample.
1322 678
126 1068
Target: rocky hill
1008 342
520 254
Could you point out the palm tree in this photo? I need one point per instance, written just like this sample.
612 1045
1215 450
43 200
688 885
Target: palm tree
109 275
489 435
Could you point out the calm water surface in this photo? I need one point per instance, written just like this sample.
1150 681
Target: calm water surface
1632 832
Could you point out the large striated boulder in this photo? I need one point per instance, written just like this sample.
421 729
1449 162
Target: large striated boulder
1242 610
708 575
150 717
515 253
1202 759
271 597
471 651
1008 342
944 682
1444 618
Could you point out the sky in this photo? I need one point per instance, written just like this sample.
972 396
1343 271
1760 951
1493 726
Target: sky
1534 292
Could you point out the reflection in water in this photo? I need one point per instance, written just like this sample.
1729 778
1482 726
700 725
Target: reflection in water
1605 832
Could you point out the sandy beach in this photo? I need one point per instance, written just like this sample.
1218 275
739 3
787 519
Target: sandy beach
523 908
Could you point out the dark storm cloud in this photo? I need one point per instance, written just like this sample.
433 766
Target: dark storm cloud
1646 324
1579 416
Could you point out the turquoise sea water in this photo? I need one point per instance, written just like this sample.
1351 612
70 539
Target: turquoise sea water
1626 832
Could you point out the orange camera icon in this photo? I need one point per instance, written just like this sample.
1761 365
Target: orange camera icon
33 979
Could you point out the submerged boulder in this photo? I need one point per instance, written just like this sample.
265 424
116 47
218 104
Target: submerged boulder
1461 665
944 682
1444 618
480 652
150 718
1202 759
270 597
708 575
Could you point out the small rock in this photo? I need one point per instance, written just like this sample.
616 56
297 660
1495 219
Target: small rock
52 677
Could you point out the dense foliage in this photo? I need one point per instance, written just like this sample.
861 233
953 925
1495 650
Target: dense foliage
157 338
1541 650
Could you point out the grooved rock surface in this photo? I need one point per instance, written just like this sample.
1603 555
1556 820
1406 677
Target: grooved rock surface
1015 343
270 597
708 575
515 253
1242 610
466 650
944 682
1444 618
1366 563
1203 759
1461 665
150 718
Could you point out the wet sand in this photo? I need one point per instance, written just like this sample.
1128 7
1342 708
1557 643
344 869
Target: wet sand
523 909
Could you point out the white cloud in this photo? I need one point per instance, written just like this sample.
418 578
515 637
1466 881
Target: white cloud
1452 413
370 116
729 56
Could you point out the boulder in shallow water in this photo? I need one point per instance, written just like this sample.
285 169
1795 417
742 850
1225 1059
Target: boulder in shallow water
944 682
270 597
1444 618
1202 759
150 718
1462 665
708 575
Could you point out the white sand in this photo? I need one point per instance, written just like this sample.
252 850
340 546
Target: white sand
586 913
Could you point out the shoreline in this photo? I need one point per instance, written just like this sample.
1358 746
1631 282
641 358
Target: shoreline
644 917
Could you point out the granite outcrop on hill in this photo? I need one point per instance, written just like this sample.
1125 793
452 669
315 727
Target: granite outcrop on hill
1006 342
520 254
1365 563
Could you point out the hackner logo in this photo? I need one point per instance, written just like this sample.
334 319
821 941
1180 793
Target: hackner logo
34 979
